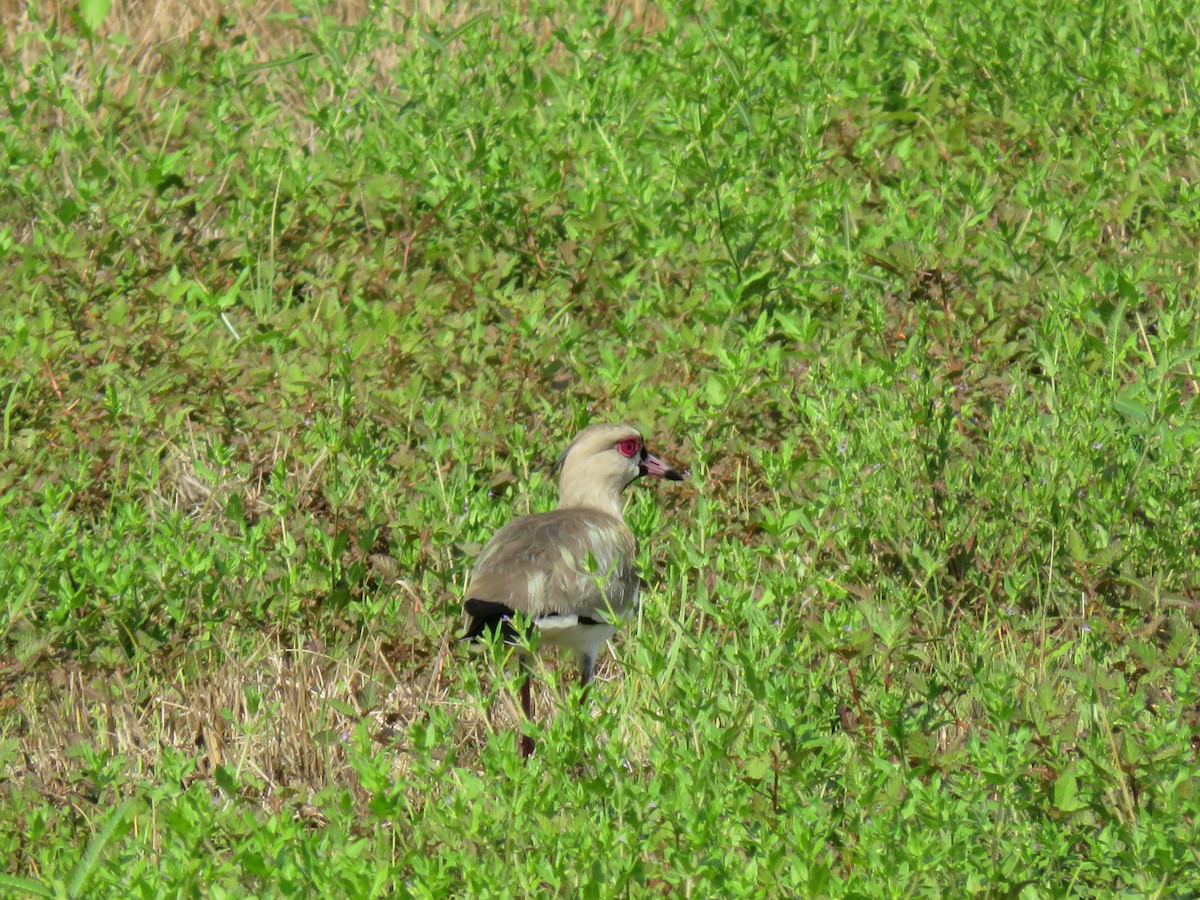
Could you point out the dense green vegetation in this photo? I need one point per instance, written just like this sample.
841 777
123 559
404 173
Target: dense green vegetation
301 304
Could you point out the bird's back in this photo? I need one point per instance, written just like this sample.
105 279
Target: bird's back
568 561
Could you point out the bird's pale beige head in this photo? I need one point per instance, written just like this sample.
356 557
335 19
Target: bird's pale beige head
601 462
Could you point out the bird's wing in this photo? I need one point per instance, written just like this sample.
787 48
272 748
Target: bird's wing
564 562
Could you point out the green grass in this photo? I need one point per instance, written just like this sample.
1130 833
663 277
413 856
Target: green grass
301 305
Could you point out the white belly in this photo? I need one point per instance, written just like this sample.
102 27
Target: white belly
566 631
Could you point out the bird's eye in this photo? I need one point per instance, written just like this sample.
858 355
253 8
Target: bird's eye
629 447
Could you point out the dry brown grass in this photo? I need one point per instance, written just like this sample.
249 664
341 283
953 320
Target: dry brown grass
282 719
271 29
282 714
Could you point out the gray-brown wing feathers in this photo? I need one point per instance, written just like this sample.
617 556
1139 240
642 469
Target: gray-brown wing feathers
565 561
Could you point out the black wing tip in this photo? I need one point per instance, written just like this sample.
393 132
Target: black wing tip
482 609
488 616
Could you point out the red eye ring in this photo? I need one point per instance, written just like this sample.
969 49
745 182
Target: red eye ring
629 447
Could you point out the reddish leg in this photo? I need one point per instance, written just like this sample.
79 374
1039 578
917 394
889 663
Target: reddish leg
527 708
586 666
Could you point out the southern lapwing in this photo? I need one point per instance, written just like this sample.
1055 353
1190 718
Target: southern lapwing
568 574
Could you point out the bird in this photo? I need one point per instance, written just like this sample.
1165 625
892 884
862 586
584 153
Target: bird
567 575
